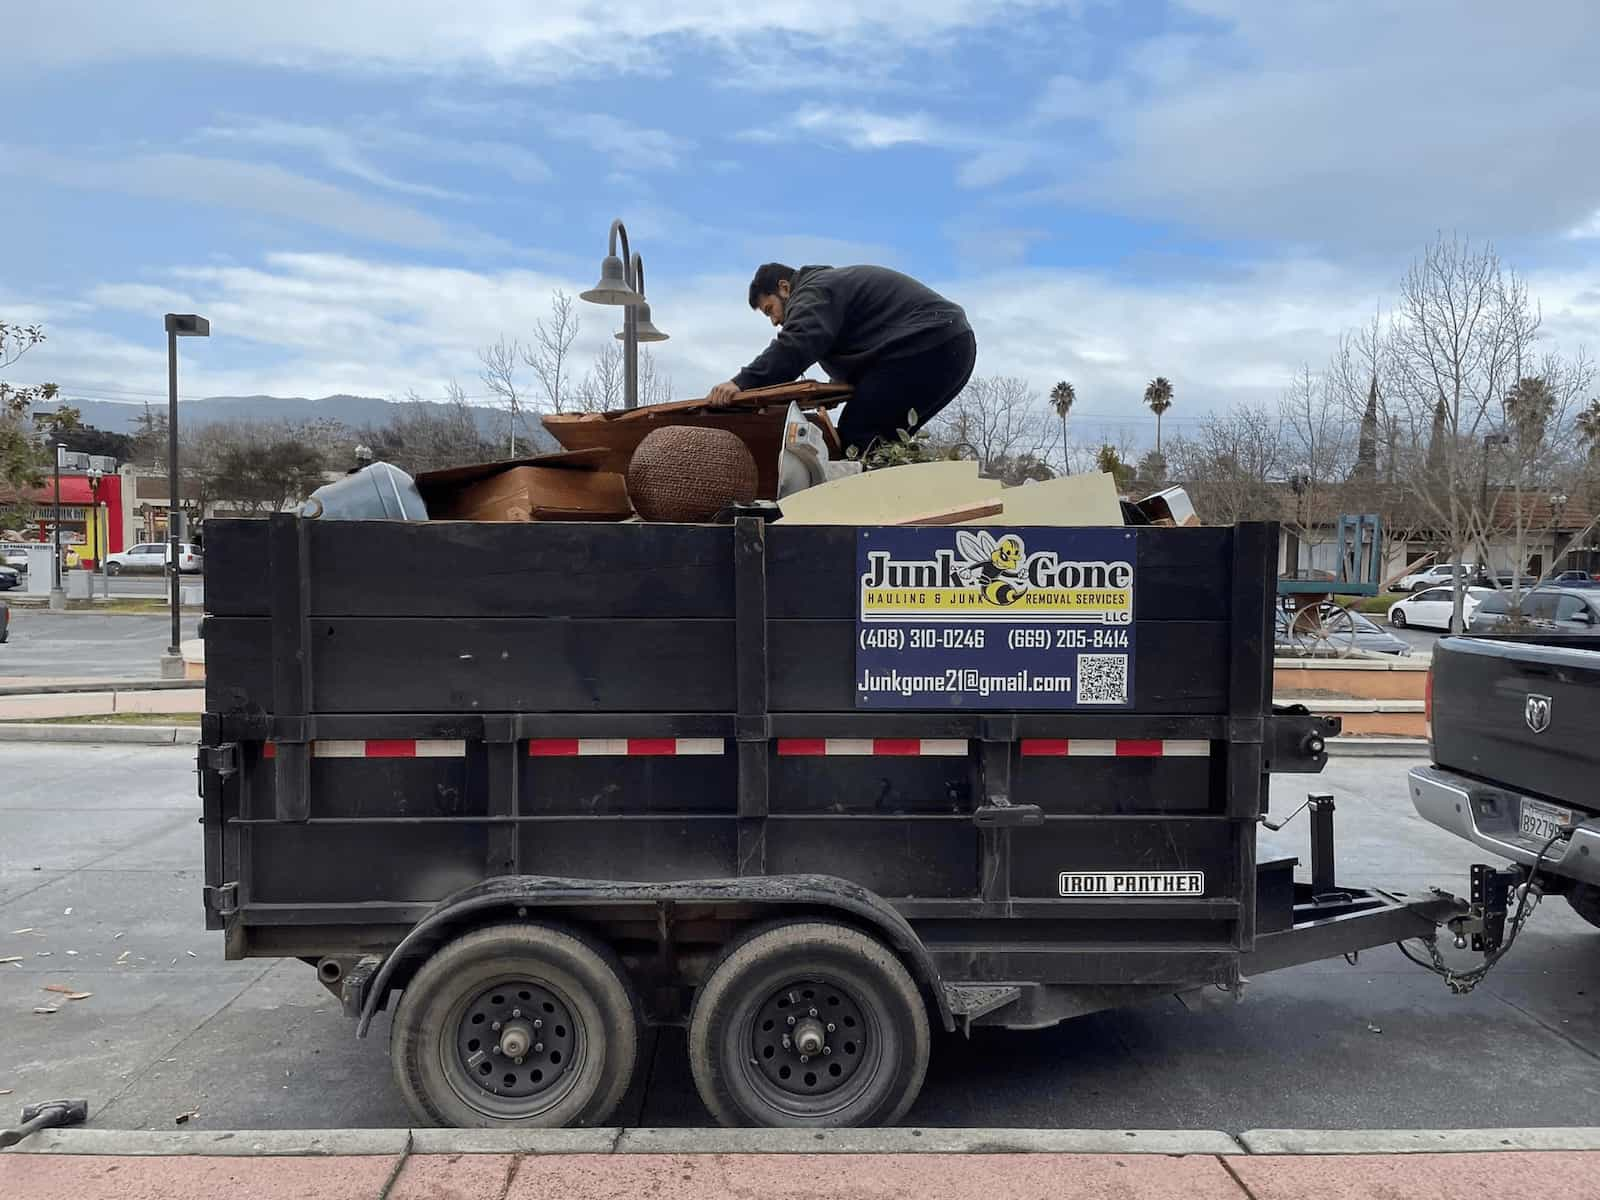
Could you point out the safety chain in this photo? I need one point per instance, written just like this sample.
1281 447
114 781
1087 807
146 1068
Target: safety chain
1462 982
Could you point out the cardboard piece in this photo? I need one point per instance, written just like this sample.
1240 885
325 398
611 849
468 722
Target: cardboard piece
536 493
1069 500
890 495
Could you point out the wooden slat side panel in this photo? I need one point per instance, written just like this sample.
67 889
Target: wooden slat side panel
543 569
237 571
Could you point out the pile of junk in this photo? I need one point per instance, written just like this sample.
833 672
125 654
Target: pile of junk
773 448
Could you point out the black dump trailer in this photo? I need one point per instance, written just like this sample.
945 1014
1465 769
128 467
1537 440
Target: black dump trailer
823 795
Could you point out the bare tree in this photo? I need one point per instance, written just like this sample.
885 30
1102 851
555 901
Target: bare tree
424 436
549 349
1011 430
1319 438
1232 463
502 363
1462 326
601 387
654 387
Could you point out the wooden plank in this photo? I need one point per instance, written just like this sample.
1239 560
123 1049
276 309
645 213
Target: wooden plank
1071 500
476 569
236 568
1179 666
409 665
966 512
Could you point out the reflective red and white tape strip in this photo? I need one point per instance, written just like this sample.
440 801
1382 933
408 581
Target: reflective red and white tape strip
888 747
382 748
622 747
1113 748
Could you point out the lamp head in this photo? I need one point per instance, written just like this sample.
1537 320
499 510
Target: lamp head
613 286
188 325
644 328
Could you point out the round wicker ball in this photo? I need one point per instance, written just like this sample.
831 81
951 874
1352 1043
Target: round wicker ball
689 473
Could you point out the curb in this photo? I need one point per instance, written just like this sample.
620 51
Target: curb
326 1142
121 735
101 685
283 1143
1377 747
1417 1141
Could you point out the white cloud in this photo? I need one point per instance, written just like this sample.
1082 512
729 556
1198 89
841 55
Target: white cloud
260 188
1360 123
864 130
314 324
631 147
504 38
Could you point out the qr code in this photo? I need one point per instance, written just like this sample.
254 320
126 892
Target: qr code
1102 679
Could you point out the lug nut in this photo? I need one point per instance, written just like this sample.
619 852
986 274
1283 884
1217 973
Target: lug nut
805 1058
827 1049
538 1047
537 1023
791 1020
786 1041
518 1061
516 1012
831 1028
495 1026
812 1013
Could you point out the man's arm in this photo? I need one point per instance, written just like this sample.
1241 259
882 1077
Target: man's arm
809 328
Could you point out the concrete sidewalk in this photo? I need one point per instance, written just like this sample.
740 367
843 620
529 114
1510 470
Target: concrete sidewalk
717 1164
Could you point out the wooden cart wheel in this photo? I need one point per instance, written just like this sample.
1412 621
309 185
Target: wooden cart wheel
516 1025
1323 630
808 1024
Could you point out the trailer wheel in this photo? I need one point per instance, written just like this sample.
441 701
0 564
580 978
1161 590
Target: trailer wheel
1585 901
516 1025
808 1024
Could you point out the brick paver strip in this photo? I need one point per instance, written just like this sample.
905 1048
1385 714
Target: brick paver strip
1568 1175
872 1177
104 1177
451 1177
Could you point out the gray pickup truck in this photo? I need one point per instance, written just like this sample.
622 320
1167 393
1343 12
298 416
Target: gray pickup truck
1515 737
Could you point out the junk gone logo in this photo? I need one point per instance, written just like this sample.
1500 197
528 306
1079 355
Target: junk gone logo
981 578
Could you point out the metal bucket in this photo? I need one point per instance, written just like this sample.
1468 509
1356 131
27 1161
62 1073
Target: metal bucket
377 492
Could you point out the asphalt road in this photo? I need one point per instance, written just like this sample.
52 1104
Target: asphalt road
101 862
75 645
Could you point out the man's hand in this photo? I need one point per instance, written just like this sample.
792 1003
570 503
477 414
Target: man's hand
722 395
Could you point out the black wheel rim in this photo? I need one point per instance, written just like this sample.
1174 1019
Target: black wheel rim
779 1028
485 1031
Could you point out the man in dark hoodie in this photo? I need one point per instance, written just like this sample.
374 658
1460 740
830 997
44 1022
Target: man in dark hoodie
904 348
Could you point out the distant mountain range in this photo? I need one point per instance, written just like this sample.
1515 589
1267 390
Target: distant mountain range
354 411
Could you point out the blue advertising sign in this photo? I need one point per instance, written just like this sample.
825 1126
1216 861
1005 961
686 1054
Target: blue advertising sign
994 618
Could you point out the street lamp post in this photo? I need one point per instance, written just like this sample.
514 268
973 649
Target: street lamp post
622 283
178 325
58 597
99 528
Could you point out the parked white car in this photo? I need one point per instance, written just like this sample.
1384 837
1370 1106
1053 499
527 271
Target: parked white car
1444 573
1430 609
152 557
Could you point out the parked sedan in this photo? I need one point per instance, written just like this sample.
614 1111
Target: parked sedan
9 579
1369 635
1431 609
1443 573
1574 612
1574 579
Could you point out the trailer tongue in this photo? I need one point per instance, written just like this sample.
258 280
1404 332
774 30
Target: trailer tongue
811 791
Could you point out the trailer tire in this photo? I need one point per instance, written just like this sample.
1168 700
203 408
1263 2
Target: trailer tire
1585 901
577 1064
782 983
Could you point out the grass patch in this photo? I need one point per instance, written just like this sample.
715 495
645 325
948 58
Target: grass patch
188 718
1379 603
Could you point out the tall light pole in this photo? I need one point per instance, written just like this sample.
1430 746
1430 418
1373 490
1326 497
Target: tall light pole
99 528
178 325
622 283
58 598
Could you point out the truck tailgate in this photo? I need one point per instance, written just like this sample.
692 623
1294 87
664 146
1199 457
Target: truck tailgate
1519 712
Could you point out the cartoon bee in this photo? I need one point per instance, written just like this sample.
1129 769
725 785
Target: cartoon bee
994 567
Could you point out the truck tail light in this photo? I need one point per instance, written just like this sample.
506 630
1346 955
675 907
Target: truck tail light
1427 703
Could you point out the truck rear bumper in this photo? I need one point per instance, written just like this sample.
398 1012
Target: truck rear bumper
1487 816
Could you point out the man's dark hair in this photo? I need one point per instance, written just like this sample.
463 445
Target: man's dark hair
768 276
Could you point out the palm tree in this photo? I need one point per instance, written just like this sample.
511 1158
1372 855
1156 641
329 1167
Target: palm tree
1158 395
1589 426
1062 397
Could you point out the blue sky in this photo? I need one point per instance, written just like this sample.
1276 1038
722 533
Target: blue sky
361 195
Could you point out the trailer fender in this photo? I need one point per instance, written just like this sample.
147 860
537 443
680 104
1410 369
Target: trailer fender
519 894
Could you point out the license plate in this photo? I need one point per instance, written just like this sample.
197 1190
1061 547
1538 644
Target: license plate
1541 821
